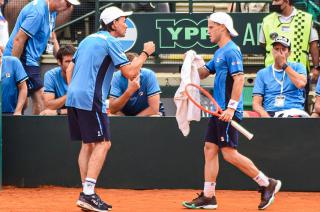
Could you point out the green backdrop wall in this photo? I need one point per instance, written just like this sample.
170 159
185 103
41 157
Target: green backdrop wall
150 153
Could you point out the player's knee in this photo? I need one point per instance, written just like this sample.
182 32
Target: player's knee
106 145
209 150
88 147
230 156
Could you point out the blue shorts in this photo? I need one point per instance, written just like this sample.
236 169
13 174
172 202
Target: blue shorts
88 126
34 82
221 133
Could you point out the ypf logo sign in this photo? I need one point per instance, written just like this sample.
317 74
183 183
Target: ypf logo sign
130 38
184 33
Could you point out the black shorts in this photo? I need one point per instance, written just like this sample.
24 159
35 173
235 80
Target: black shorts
221 133
34 82
88 126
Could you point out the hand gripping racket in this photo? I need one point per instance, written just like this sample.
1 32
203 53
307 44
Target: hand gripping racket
218 110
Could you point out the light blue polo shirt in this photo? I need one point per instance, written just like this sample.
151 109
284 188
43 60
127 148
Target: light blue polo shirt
318 87
266 86
34 19
227 61
139 100
12 75
55 83
96 59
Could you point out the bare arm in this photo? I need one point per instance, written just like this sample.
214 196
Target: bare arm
238 82
23 90
69 72
203 72
299 80
116 104
56 45
257 106
52 103
132 70
18 43
315 59
153 109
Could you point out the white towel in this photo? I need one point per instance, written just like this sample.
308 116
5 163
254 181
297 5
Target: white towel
186 110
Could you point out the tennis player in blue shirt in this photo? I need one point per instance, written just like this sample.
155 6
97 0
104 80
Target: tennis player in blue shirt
90 74
137 97
280 86
29 39
13 83
227 65
55 83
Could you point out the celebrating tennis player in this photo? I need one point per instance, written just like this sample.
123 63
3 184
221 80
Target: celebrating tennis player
228 66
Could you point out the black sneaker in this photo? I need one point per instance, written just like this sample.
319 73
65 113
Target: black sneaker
202 202
268 193
92 203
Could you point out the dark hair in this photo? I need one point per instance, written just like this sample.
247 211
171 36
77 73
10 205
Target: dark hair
107 27
290 2
64 51
131 55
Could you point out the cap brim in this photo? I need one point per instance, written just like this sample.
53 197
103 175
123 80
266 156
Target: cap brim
283 44
74 2
125 14
233 32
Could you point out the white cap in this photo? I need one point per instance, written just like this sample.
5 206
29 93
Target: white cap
226 20
73 2
112 13
283 41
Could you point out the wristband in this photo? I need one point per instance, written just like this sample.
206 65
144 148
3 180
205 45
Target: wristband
58 111
233 104
284 66
146 53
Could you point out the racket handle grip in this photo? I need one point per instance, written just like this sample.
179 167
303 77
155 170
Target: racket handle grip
242 130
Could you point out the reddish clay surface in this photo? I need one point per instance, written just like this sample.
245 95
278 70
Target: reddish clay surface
63 199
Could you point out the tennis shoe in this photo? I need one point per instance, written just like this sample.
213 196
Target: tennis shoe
268 193
92 203
202 202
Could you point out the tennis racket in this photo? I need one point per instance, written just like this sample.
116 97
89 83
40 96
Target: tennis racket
218 110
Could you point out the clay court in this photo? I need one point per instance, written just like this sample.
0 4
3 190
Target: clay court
63 199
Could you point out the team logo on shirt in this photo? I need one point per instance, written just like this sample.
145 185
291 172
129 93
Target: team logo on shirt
8 75
130 38
236 63
140 93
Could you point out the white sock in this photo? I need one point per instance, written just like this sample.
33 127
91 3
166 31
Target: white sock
262 179
88 187
209 189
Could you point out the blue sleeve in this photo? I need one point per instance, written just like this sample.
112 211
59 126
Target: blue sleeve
115 90
210 66
32 22
153 85
318 87
19 72
234 62
49 82
258 88
301 69
117 54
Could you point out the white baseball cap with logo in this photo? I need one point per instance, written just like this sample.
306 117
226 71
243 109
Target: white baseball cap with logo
73 2
112 13
226 20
